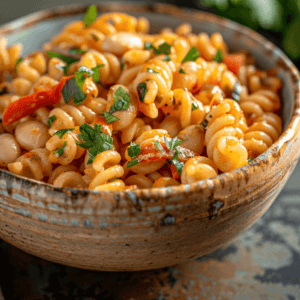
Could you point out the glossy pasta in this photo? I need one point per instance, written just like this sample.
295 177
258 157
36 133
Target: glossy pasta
112 107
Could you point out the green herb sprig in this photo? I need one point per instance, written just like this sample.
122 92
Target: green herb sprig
192 55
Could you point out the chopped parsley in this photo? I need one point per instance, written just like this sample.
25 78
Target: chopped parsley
77 51
192 55
219 56
51 120
236 93
90 15
158 146
167 58
18 62
60 151
66 59
142 90
178 164
181 71
122 100
173 143
132 163
134 150
150 70
61 133
95 140
250 159
194 106
122 66
73 87
95 37
113 179
109 118
164 48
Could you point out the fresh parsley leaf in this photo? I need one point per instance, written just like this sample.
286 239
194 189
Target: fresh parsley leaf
51 120
167 58
109 118
158 146
150 70
122 100
73 88
173 143
194 106
132 163
95 37
134 150
60 151
67 59
113 179
164 48
236 93
18 62
122 66
192 55
219 56
181 71
95 140
142 90
61 133
90 15
178 164
77 51
250 159
96 74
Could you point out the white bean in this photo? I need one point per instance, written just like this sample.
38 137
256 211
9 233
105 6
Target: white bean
9 149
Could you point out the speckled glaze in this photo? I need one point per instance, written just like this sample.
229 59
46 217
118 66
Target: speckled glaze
147 229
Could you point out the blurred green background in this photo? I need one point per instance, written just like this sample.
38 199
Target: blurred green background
277 20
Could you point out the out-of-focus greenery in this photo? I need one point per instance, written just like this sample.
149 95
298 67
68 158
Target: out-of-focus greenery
273 15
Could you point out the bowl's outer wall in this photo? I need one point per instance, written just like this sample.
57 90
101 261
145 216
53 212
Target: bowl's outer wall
148 229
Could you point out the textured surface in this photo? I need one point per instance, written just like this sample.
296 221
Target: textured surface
261 264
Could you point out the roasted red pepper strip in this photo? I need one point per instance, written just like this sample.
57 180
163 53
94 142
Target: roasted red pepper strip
29 104
174 172
107 128
233 62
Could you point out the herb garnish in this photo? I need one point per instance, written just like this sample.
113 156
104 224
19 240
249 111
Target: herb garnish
236 93
178 164
164 48
167 58
18 62
134 150
158 146
95 140
60 151
150 70
132 163
67 59
142 90
219 56
194 106
192 55
173 143
181 71
61 133
90 15
250 159
77 51
109 118
51 120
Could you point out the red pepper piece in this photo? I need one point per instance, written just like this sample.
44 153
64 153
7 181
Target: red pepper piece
107 128
29 104
233 62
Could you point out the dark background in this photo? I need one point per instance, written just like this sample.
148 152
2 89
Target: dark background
277 20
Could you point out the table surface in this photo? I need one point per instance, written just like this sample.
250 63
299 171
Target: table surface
261 264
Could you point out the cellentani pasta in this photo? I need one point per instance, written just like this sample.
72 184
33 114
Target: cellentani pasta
107 106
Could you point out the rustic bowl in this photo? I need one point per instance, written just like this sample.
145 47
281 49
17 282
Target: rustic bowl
150 228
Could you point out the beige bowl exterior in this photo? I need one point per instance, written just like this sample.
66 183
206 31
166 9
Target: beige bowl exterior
147 229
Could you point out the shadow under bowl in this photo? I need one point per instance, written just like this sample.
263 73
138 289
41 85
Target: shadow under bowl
150 228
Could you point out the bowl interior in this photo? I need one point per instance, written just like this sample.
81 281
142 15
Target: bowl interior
267 56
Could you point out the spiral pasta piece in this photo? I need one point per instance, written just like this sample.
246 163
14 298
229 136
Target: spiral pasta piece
33 164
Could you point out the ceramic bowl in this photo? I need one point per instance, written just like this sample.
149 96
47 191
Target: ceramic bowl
150 228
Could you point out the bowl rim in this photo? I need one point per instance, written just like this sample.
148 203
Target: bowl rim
182 13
